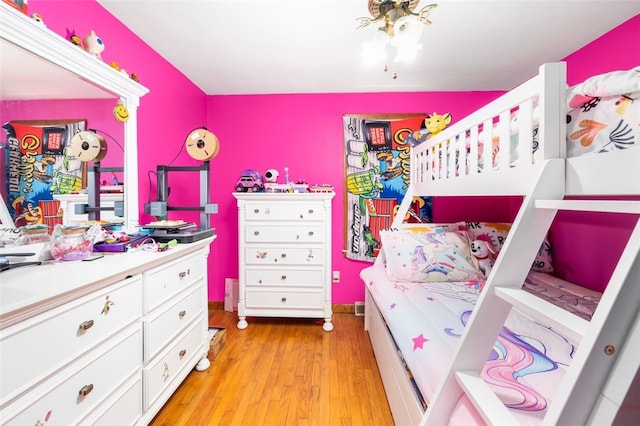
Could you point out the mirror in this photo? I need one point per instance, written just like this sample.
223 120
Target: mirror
45 77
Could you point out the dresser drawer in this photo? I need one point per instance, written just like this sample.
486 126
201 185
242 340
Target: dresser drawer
284 299
122 408
162 283
256 277
88 382
284 211
269 233
41 345
160 329
279 255
164 370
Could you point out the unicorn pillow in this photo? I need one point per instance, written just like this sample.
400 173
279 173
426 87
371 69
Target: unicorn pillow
430 257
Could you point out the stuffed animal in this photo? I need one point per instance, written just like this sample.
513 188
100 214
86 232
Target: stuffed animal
485 252
93 44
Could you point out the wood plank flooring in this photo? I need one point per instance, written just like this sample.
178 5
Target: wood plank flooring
284 372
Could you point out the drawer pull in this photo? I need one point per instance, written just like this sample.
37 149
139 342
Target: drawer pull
183 353
256 233
181 314
85 390
283 255
311 233
310 211
284 277
256 211
184 273
85 325
284 299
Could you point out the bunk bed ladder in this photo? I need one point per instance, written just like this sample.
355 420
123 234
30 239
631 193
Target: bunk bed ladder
580 397
606 361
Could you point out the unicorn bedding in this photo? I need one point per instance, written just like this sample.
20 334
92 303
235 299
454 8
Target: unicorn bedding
428 286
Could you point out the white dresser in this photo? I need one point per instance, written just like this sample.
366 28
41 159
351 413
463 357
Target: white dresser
101 342
284 243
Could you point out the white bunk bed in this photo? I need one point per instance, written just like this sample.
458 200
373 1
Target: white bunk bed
592 387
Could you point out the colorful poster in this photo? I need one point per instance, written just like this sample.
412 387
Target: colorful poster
39 164
377 149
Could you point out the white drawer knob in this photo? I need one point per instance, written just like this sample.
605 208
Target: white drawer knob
85 390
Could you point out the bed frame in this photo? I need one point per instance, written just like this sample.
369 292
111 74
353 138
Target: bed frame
604 366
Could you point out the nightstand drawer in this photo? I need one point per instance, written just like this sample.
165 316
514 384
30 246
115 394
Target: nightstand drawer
162 283
284 299
284 211
268 233
161 329
273 255
91 379
60 335
302 277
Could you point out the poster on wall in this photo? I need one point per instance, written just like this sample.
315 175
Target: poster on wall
377 149
39 164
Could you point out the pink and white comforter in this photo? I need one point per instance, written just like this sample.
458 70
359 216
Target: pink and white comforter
528 358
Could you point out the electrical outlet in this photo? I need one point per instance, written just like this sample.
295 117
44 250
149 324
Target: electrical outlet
336 276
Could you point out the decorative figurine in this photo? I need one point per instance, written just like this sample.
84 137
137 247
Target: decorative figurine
94 45
120 112
38 18
73 38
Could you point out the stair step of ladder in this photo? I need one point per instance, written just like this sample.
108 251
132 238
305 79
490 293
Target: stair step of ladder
561 320
604 206
492 410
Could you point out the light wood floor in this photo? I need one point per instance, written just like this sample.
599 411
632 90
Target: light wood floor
284 372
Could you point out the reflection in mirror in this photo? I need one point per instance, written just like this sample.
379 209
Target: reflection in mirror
35 89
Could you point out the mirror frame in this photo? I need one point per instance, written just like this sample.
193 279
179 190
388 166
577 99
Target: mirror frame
25 32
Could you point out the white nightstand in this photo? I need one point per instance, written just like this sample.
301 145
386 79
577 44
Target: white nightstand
284 245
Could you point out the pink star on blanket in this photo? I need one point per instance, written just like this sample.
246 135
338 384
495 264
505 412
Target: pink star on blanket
419 341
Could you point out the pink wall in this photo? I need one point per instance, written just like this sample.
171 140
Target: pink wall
582 238
303 132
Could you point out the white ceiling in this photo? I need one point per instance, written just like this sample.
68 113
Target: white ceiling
312 46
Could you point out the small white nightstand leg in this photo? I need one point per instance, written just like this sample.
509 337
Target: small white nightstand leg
328 325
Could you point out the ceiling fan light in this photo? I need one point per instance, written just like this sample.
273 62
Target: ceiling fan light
407 30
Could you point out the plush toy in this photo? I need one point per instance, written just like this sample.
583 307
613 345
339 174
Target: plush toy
271 176
485 252
93 44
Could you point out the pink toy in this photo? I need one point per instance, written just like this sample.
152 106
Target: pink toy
484 251
93 44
